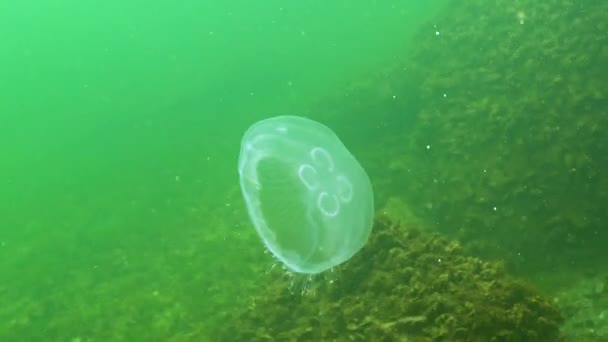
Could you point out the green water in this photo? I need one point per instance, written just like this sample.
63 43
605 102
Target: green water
120 124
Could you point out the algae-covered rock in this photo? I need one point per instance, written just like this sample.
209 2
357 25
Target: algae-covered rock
404 285
584 303
513 111
494 128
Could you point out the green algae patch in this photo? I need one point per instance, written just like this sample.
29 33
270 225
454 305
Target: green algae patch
405 284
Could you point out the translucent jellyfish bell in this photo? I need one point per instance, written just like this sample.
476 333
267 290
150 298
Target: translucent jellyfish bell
307 196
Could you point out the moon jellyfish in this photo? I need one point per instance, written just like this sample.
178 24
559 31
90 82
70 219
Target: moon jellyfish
309 199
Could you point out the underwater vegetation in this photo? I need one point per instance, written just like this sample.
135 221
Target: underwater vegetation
585 304
500 115
494 134
405 284
309 199
518 141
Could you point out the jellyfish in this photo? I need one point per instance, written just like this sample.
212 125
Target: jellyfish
308 198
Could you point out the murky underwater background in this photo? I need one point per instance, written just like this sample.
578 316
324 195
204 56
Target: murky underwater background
121 218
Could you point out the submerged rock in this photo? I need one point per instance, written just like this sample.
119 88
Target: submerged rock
405 284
